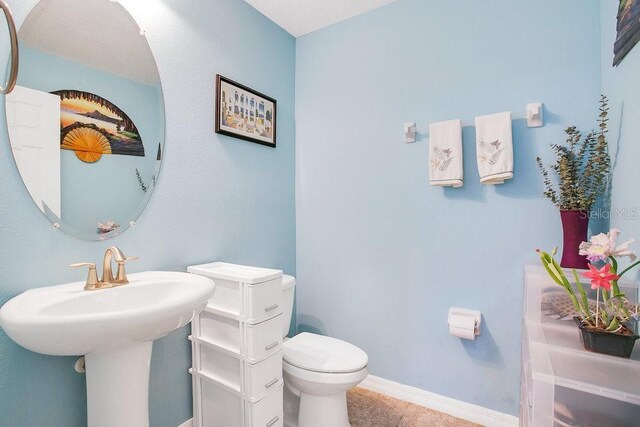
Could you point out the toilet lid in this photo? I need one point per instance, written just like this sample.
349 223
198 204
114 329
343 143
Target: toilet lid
323 354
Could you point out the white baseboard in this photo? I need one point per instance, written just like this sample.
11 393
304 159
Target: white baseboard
188 423
447 405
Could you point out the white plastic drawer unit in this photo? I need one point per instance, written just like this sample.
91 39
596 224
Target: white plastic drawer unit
253 381
249 294
251 342
562 384
221 406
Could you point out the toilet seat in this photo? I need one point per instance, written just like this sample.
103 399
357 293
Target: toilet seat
317 353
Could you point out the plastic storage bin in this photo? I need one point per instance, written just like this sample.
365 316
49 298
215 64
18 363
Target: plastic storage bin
562 383
253 342
225 407
253 381
237 349
249 294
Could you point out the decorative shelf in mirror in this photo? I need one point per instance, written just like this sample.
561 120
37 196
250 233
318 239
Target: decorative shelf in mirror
89 73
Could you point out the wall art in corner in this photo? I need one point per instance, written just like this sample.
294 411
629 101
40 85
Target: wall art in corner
628 29
243 113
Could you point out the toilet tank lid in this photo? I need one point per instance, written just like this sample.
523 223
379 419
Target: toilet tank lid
235 272
288 282
318 353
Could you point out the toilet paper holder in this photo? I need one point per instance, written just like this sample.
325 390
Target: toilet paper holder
465 321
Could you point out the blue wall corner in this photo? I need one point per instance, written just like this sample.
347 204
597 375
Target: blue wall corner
382 255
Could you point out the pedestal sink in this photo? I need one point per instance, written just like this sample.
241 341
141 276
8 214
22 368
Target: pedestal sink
114 328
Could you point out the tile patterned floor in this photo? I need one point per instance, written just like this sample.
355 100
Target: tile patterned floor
370 409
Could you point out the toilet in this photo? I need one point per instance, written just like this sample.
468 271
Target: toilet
318 371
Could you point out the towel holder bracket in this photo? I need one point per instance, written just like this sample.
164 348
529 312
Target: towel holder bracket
535 117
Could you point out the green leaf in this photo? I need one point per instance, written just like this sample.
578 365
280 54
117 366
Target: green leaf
583 295
547 263
615 324
565 281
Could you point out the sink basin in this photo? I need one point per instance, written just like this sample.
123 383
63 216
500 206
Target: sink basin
114 328
66 320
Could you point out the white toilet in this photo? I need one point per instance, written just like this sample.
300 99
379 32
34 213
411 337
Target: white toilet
317 371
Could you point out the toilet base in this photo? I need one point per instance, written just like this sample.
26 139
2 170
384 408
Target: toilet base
319 398
322 411
292 409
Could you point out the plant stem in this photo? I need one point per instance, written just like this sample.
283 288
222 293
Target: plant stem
597 306
629 268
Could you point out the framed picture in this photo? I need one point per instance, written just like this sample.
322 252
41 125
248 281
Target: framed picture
244 113
628 27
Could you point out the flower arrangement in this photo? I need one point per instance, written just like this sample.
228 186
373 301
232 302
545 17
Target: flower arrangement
602 252
107 227
582 166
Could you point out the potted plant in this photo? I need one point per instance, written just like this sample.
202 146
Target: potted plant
582 167
601 330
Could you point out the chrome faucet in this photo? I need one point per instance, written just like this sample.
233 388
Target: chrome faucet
107 281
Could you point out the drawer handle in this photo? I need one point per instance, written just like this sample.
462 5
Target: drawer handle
273 421
271 308
271 383
274 345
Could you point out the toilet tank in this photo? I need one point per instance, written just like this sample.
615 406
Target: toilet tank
288 285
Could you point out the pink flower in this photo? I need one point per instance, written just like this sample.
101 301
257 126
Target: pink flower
600 278
602 246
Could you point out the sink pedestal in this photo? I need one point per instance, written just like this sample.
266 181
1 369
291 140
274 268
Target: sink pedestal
114 328
118 387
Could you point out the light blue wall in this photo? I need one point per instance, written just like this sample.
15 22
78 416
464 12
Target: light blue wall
109 188
381 255
621 85
218 198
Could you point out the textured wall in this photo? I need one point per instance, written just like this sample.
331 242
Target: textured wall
218 198
381 255
621 85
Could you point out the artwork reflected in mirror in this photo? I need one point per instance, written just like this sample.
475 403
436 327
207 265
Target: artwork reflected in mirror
628 29
86 118
92 126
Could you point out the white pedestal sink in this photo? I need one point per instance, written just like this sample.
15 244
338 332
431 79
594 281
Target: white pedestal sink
114 328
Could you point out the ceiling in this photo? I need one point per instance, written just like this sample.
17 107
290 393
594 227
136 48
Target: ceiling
300 17
96 33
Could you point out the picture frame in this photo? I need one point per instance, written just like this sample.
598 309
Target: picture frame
628 29
244 113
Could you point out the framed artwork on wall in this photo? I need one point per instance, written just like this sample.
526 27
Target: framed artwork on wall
244 113
628 27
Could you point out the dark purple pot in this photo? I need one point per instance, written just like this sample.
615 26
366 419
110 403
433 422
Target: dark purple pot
606 342
574 229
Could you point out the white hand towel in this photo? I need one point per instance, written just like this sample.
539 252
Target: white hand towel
494 146
445 153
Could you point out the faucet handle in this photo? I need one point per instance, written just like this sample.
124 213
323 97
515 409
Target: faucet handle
92 277
121 273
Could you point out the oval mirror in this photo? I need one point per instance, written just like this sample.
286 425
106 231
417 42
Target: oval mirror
86 119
